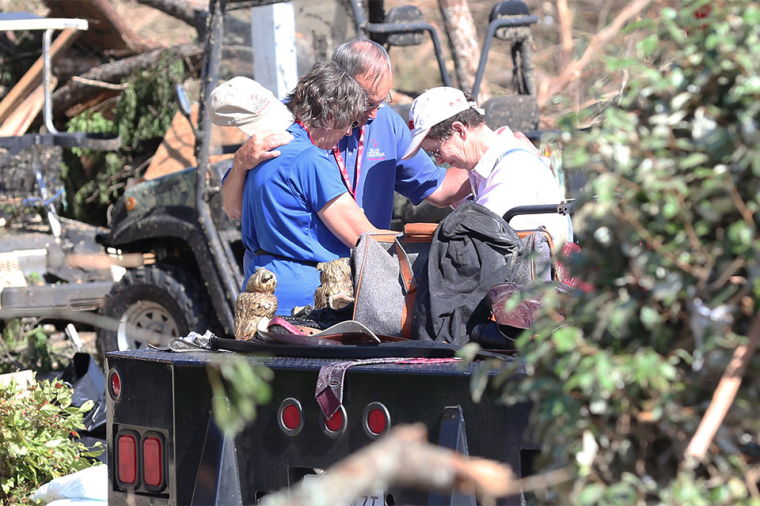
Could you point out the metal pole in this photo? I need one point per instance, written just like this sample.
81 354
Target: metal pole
48 111
415 27
492 27
208 81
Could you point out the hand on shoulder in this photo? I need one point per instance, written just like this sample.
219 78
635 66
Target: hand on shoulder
258 148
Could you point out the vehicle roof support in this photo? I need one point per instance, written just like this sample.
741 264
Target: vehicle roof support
211 58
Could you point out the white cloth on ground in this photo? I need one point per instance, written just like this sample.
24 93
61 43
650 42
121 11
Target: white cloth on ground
87 485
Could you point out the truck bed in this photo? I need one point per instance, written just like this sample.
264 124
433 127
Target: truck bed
166 396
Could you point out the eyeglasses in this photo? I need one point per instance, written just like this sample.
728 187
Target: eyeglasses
356 124
388 100
437 151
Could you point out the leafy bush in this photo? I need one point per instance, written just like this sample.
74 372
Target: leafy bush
36 426
670 242
26 349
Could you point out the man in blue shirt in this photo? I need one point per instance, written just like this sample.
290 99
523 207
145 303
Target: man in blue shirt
369 160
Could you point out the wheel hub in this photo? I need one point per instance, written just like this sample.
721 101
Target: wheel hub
142 317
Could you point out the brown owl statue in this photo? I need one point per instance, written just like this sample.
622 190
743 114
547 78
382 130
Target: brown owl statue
336 290
256 302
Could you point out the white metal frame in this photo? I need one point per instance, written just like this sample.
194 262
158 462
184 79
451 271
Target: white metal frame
26 21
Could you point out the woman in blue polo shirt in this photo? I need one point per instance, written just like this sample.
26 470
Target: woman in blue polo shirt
297 209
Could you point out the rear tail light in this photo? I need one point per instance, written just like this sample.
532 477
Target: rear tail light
126 458
153 461
336 425
290 416
140 460
377 419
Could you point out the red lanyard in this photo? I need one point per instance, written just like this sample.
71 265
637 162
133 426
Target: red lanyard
342 164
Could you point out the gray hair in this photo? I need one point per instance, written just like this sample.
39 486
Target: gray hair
470 118
327 97
363 58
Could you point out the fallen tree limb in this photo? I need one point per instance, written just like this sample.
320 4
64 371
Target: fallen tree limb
108 30
724 394
77 91
404 457
100 84
551 87
192 12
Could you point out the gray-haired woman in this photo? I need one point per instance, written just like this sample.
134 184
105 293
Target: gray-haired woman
296 208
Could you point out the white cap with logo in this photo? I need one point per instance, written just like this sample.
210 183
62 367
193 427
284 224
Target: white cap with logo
433 107
244 103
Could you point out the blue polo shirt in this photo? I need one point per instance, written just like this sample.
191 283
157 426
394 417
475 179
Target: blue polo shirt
382 171
281 200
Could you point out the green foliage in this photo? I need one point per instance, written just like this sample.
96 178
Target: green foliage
26 349
27 50
141 116
670 243
238 388
148 105
36 426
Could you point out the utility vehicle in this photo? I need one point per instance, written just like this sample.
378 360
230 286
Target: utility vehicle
178 219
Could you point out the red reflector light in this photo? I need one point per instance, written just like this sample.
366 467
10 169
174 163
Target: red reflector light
376 421
127 459
336 422
153 470
291 417
115 384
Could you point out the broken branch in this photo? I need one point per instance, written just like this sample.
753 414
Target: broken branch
724 394
551 87
404 457
77 91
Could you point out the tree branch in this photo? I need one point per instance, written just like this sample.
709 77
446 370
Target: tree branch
724 394
192 12
78 90
565 32
404 457
550 87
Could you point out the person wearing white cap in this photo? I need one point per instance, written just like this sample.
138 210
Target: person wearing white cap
505 169
244 103
370 157
296 209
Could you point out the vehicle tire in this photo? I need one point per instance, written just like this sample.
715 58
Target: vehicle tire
159 298
518 112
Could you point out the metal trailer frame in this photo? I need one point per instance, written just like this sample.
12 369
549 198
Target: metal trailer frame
204 467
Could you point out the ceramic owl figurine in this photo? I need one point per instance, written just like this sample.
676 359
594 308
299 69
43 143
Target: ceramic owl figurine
256 302
336 289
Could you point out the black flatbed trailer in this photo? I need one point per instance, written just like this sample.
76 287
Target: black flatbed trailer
164 447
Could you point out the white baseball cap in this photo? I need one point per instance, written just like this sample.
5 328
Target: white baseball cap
244 103
432 107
